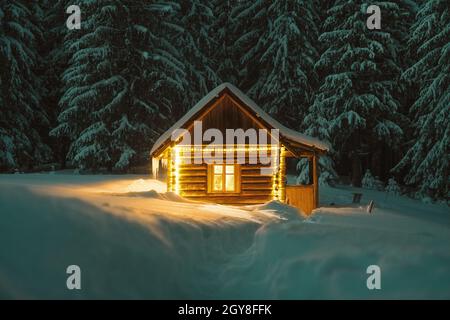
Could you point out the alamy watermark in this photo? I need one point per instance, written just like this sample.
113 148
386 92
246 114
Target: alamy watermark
374 280
238 146
374 20
73 281
74 20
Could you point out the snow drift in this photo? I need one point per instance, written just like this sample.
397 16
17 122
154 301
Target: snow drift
132 243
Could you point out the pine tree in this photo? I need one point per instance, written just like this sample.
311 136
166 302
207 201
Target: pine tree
229 33
355 109
122 85
427 161
23 119
393 188
368 181
55 61
280 56
195 42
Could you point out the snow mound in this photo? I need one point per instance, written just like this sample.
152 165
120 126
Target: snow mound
149 244
153 194
120 256
283 210
327 257
172 196
142 185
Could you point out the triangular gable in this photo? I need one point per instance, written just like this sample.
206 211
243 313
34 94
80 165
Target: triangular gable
288 136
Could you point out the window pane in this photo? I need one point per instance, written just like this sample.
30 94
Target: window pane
229 183
218 169
217 186
229 169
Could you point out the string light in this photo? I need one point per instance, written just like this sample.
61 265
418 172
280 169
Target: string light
180 152
176 169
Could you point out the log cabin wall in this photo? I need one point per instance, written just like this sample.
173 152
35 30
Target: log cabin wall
253 186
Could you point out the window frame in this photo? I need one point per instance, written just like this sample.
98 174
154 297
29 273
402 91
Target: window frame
236 174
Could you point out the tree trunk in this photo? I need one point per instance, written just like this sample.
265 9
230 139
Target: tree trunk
356 170
109 167
375 163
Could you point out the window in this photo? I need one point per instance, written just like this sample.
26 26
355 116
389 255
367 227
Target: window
223 178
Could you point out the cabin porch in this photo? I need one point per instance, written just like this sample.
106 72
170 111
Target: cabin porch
305 197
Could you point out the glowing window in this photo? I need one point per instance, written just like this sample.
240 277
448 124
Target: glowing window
223 178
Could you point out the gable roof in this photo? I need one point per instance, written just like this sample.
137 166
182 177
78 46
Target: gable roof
286 134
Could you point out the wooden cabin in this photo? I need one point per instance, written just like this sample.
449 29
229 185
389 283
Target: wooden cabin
197 171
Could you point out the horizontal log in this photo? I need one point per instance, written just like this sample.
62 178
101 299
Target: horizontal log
251 193
256 179
192 179
193 187
254 173
253 186
248 166
196 173
191 182
193 167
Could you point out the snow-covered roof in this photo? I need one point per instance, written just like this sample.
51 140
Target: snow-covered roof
286 133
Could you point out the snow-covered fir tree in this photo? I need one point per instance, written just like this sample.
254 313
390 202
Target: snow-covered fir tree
426 163
225 31
371 182
196 44
122 85
368 181
355 108
280 56
23 118
54 61
393 188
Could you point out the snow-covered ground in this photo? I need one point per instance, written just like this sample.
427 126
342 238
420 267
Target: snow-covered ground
134 243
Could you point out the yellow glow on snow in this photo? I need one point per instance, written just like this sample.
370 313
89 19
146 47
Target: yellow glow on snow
142 185
117 197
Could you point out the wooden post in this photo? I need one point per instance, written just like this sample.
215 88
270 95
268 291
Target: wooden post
310 171
315 182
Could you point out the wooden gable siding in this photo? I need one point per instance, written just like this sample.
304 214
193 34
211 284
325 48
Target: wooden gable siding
226 113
